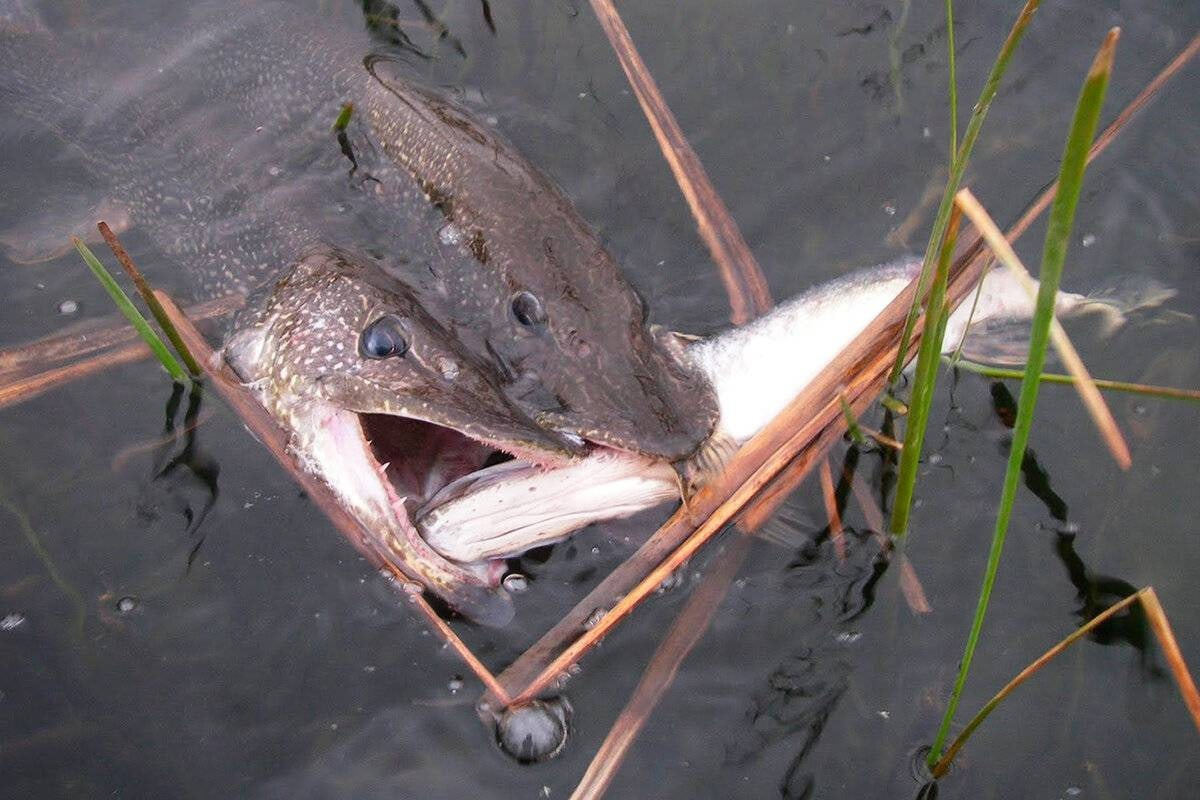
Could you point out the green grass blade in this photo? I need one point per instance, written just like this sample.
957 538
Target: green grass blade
924 381
1161 392
1058 234
852 426
958 166
953 77
343 117
125 305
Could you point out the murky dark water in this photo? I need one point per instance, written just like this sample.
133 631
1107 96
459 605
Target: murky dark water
179 622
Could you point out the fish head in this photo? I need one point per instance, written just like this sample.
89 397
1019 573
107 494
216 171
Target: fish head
531 288
385 404
587 361
582 330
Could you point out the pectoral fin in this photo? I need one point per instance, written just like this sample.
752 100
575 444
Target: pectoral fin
44 236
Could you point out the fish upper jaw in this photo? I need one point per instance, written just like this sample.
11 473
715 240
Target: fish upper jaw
662 406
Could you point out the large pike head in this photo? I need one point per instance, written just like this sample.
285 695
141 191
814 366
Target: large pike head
525 283
386 406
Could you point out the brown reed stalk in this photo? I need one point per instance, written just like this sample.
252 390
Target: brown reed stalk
660 673
1092 400
829 497
91 336
143 288
20 388
1159 623
740 272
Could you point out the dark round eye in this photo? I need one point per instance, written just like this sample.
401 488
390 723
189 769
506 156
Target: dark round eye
383 338
528 309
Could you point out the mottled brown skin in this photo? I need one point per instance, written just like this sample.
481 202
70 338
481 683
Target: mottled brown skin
595 368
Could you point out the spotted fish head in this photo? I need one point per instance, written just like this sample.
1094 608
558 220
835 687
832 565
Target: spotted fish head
385 405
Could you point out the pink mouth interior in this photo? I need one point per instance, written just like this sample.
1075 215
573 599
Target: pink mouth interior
421 457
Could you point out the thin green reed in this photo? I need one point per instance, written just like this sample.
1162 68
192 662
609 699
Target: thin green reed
953 79
957 166
1054 252
126 307
924 381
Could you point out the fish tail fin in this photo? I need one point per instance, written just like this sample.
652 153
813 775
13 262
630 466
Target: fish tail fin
1114 302
998 333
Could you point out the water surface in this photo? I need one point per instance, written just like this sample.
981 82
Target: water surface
180 622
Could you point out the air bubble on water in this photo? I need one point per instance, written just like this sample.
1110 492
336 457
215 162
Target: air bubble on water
455 684
68 306
595 550
671 582
274 171
889 208
515 582
1088 239
11 622
935 458
126 604
594 618
450 234
533 732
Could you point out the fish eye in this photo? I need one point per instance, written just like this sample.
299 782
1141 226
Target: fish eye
528 309
383 338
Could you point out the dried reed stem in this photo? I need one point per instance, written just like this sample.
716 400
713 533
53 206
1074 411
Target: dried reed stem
22 388
1092 400
1166 640
743 278
689 626
91 336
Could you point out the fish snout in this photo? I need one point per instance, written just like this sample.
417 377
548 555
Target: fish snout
660 406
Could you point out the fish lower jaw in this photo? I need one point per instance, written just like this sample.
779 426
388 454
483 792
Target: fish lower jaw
331 443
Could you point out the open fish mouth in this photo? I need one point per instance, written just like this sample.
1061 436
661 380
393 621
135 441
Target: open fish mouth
396 472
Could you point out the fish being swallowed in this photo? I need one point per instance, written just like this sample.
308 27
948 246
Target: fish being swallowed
756 370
